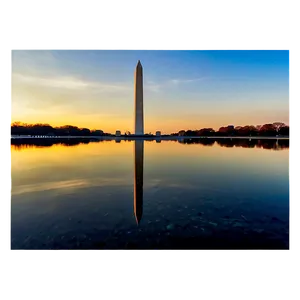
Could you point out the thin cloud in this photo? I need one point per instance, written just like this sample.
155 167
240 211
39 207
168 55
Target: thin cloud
67 82
156 87
73 83
152 86
178 81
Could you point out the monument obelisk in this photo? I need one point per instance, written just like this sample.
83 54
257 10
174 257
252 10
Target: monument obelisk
138 99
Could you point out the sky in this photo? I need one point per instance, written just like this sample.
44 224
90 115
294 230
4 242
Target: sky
182 89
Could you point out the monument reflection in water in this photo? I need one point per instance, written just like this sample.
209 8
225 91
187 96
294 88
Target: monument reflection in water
138 179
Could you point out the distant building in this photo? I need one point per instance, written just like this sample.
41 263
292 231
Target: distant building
118 133
158 133
181 133
98 132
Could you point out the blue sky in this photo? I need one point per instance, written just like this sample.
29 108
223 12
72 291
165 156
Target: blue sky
182 89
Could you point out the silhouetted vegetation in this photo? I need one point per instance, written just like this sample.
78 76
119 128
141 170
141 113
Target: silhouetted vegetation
205 142
268 130
275 129
19 128
35 143
274 144
244 143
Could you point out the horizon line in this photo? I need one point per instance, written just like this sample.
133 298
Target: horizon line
93 129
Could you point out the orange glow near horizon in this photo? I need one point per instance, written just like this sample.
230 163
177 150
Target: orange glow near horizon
166 126
152 148
76 164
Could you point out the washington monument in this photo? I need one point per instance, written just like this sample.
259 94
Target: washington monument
138 99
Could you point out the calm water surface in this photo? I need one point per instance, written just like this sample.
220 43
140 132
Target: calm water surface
150 195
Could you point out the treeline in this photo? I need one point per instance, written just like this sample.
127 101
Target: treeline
277 128
19 144
35 143
19 128
244 143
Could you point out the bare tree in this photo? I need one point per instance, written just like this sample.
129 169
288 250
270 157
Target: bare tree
278 126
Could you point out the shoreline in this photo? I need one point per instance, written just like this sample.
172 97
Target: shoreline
152 137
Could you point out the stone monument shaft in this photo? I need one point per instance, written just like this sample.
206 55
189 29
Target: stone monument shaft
138 99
